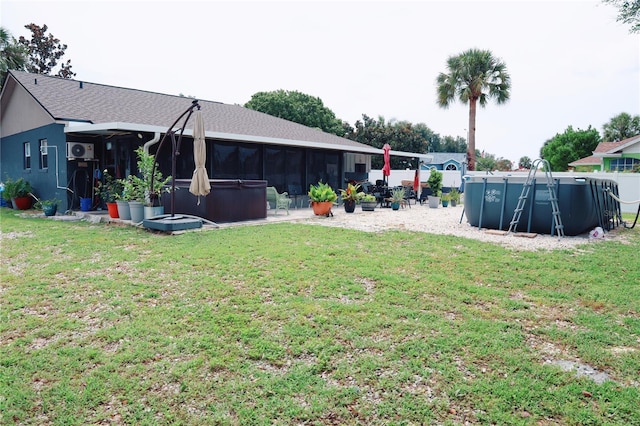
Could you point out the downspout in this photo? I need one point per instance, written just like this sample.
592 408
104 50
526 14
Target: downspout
155 140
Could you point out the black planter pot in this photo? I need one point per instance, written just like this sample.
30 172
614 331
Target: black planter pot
349 206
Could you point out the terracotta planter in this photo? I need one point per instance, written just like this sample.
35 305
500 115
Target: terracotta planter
113 210
321 208
21 203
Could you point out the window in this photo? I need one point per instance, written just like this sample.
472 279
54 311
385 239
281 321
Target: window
623 164
44 155
27 155
451 167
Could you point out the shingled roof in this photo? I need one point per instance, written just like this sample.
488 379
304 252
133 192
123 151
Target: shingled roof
603 149
79 101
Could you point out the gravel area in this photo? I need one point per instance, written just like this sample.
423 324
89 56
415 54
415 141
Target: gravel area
445 221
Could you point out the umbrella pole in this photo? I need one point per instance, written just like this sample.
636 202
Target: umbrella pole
170 131
174 154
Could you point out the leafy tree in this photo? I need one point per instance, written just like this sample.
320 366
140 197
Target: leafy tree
524 162
13 56
621 127
299 108
504 165
433 139
451 144
400 135
486 162
44 51
569 146
628 12
473 77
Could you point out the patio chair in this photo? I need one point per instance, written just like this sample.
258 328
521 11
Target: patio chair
295 191
278 201
410 194
424 195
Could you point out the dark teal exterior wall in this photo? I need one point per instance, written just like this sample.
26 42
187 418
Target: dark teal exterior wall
43 180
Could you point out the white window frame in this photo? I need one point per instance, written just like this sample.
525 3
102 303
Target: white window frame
26 151
44 154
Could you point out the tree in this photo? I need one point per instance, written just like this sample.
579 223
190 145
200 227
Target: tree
299 108
621 127
13 56
524 162
473 77
487 162
504 165
569 146
44 51
628 12
451 144
400 135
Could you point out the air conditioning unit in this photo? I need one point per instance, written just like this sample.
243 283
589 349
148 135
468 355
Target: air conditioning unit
80 150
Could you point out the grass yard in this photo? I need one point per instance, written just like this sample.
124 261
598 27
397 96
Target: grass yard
292 324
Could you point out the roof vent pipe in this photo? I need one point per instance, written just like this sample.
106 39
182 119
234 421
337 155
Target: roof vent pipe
156 139
35 81
81 85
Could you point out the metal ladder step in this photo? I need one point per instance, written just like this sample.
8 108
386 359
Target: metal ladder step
524 196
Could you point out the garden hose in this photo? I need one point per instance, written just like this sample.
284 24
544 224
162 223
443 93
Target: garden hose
612 195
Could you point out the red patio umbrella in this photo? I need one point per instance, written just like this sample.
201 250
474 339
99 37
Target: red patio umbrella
416 179
386 169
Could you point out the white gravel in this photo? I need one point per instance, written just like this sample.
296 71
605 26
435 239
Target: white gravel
446 221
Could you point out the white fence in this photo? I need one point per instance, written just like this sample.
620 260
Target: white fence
628 183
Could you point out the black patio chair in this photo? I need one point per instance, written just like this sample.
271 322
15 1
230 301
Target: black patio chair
424 195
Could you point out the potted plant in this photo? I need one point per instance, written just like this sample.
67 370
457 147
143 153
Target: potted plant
368 202
122 200
350 197
321 198
445 198
18 192
109 190
397 197
455 197
435 183
49 207
134 191
151 175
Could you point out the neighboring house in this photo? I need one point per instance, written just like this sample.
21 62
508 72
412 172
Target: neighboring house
445 161
59 134
612 156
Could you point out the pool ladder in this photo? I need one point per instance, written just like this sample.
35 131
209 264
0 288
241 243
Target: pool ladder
524 195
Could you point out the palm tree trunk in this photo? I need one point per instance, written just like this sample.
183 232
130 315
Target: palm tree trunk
471 143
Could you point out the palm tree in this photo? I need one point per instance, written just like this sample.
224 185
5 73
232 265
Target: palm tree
621 127
13 56
473 76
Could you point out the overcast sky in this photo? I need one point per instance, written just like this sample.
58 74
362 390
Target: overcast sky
570 62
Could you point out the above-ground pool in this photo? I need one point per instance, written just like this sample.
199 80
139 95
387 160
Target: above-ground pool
490 201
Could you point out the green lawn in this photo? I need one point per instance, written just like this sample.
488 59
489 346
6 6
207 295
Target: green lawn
298 324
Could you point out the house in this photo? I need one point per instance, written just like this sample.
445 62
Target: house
445 161
59 134
612 156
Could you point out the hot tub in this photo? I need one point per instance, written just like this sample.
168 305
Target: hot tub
228 201
490 201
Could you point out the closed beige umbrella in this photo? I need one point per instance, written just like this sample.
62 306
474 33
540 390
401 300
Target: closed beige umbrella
200 182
